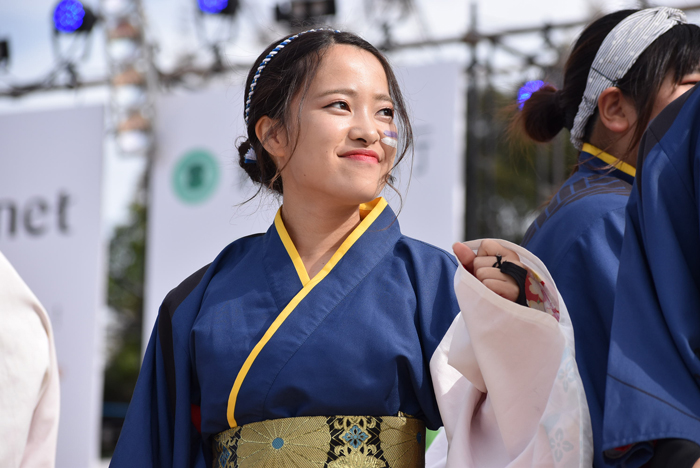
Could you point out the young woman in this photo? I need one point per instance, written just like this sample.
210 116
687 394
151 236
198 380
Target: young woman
623 70
332 340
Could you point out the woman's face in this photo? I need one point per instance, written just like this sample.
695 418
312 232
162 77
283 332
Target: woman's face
621 144
339 155
670 91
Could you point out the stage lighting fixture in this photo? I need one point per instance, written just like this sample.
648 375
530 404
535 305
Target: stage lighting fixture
218 7
71 16
215 27
299 12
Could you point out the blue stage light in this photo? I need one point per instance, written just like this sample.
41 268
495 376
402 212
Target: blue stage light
212 6
525 92
68 16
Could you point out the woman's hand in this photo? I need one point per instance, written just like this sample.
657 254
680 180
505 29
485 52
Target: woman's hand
482 266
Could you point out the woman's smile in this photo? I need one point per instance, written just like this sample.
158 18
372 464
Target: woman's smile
363 155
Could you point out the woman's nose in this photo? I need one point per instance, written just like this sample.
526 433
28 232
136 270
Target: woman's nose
364 128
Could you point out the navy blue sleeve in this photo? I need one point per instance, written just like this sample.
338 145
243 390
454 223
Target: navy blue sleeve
146 438
653 383
158 430
586 274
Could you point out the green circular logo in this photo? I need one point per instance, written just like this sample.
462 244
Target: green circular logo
196 176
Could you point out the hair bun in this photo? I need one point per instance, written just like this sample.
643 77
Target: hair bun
543 114
250 167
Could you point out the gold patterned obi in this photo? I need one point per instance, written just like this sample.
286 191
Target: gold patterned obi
324 442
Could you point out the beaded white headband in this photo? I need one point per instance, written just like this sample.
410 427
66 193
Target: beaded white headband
267 59
617 54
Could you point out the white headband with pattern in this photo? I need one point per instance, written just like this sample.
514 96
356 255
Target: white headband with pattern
618 52
265 61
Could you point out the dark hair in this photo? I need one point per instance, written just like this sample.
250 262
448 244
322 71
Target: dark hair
291 72
549 110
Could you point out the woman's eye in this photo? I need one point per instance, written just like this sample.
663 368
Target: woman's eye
387 112
339 105
690 79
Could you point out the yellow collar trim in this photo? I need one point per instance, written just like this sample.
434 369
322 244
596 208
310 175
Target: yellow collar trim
609 159
291 249
377 207
365 210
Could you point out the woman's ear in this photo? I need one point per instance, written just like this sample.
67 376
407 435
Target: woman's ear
615 111
273 138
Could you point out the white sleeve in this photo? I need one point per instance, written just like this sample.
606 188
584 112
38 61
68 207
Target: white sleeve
29 387
507 384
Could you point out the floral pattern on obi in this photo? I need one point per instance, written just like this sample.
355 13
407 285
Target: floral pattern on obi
284 442
327 442
538 296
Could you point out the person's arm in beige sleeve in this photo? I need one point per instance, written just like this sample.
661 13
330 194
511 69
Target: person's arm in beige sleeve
29 386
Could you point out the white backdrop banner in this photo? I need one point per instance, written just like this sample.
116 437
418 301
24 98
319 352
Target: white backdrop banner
50 192
197 186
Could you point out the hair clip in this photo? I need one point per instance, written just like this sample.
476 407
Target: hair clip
250 156
390 139
527 90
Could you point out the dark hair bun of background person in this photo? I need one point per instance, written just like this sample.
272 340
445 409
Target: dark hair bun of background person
542 114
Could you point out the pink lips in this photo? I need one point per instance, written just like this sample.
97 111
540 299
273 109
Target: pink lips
362 155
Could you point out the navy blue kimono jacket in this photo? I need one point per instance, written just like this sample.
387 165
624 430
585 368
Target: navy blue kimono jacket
578 236
653 385
251 337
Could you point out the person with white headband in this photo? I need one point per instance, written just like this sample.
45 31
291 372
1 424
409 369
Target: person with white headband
333 340
622 71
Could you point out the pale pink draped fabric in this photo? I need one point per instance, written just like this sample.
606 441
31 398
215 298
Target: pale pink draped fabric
29 387
507 384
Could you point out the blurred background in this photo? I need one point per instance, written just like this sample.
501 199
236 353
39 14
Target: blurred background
118 162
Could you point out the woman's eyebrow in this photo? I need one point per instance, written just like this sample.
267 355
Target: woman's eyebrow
383 97
353 93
